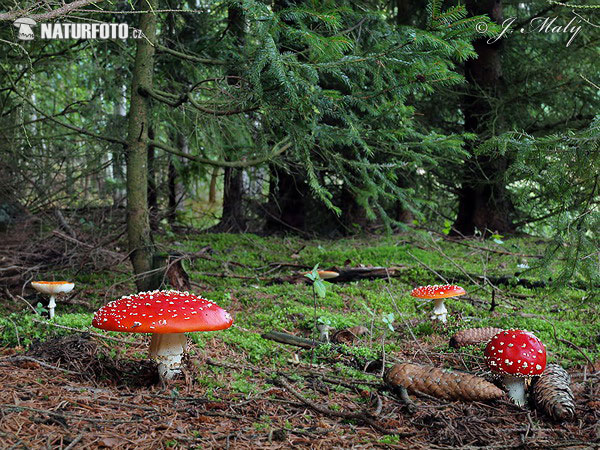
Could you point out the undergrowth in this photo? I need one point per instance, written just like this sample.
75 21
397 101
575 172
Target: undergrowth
563 319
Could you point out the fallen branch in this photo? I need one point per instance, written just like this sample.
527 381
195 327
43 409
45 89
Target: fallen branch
91 333
361 416
347 274
64 415
41 363
290 339
74 442
52 14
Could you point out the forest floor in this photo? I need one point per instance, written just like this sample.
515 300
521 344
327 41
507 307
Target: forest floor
67 385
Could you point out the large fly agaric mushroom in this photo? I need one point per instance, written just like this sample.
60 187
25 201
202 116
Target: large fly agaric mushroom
168 315
438 293
52 288
516 354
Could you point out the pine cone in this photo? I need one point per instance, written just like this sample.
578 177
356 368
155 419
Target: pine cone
441 383
472 336
552 393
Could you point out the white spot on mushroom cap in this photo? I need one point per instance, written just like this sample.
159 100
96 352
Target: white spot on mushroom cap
515 353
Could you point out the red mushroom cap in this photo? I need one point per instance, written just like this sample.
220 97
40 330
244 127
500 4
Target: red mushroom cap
162 312
516 352
441 291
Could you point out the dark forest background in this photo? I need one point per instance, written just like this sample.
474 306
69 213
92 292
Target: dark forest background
321 118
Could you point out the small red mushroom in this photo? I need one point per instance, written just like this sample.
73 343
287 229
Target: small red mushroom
324 274
168 315
438 293
516 354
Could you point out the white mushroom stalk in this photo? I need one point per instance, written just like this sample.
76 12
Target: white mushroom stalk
439 310
515 387
51 307
168 350
324 331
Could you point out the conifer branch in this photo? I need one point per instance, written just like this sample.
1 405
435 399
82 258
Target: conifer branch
62 11
219 163
177 101
164 49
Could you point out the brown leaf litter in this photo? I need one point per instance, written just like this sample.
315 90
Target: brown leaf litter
109 402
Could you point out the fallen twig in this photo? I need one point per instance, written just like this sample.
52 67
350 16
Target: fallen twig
361 416
74 442
41 363
64 415
290 339
91 333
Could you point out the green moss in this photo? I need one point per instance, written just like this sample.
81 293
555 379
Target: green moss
557 317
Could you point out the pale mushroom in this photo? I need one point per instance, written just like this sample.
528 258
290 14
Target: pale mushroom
52 288
438 293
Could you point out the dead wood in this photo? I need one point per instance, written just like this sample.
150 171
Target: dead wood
78 330
177 276
346 274
37 361
362 416
290 339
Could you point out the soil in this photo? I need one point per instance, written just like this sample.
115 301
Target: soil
72 392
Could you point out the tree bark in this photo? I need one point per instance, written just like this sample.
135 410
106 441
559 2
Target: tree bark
152 192
354 216
484 202
288 195
141 246
212 189
233 218
172 188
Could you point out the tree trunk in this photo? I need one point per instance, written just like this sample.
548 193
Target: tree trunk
287 202
118 152
141 246
172 187
354 216
152 192
233 218
212 189
10 208
484 203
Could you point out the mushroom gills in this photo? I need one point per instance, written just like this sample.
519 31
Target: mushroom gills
516 389
168 349
439 310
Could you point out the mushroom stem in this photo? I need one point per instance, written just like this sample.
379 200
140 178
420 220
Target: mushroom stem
439 310
167 350
324 332
51 306
516 389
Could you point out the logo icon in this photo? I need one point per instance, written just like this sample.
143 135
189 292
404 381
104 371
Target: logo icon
24 25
